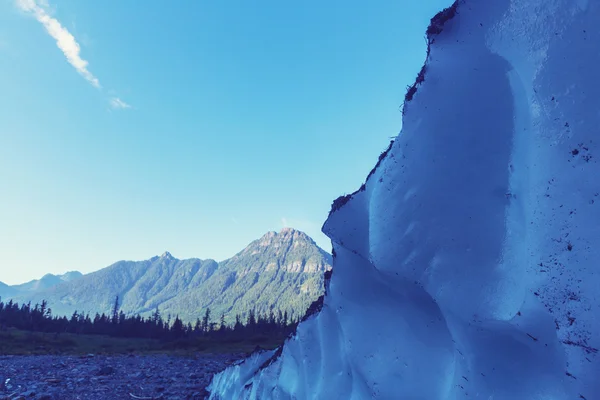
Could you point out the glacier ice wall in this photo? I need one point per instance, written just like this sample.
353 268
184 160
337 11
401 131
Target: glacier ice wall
468 265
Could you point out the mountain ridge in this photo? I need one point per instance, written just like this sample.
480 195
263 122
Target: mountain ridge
280 270
47 281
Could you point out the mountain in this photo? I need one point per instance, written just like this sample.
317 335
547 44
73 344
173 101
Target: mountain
46 282
6 290
278 271
70 276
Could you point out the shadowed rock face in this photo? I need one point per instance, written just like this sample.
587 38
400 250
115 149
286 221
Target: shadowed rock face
467 263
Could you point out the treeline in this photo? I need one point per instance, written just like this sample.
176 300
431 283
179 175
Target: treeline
39 318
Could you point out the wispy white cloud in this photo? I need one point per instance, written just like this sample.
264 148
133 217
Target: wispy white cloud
40 10
118 104
64 40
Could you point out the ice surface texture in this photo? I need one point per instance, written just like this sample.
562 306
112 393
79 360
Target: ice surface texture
468 265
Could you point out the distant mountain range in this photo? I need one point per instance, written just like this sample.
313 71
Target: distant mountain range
280 271
46 282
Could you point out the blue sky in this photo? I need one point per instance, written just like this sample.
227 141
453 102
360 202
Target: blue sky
193 126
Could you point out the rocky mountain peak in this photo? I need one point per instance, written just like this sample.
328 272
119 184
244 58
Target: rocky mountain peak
167 255
291 234
70 276
283 237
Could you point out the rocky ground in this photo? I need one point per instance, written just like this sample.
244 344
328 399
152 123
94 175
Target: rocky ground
109 377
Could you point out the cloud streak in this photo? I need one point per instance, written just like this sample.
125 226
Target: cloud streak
64 39
118 104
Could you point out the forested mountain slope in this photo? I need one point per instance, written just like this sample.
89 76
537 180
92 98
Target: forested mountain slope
280 271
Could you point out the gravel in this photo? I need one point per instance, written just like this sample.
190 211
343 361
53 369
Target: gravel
95 377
